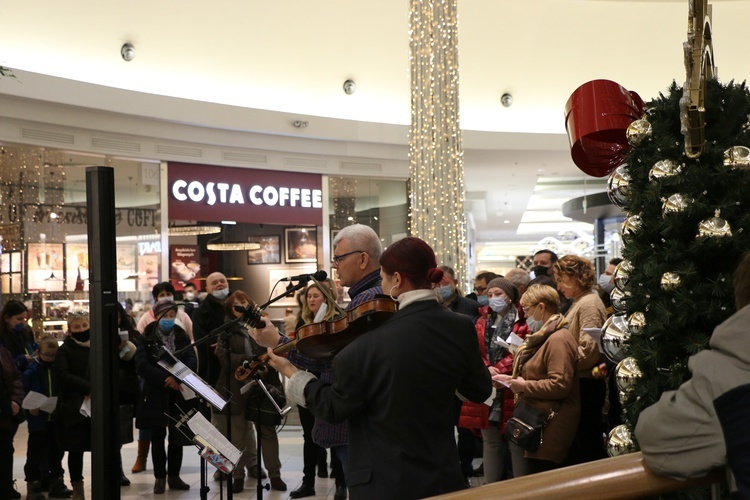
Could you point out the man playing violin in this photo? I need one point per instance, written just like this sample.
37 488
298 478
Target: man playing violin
356 253
394 386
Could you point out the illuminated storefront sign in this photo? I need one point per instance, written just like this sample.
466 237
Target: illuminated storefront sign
209 193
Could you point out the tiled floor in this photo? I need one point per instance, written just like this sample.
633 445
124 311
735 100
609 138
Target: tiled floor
290 447
290 444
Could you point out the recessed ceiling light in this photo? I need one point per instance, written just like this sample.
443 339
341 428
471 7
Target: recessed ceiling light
506 221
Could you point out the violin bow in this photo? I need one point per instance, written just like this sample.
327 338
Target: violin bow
327 292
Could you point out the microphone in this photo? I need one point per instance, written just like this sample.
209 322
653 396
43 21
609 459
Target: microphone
318 275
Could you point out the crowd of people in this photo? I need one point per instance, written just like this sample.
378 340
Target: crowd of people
403 409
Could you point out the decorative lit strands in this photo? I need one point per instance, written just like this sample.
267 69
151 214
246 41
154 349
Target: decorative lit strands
435 151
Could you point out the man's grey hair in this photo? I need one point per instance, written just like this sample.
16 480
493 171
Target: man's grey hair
449 271
518 277
362 238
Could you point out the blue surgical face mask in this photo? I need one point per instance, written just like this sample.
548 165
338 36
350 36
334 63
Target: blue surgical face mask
534 324
445 291
483 300
605 283
166 324
497 304
18 328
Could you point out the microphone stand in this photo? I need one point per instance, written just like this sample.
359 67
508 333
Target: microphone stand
223 330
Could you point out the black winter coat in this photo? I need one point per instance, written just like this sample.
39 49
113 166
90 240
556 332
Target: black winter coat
206 318
156 400
74 384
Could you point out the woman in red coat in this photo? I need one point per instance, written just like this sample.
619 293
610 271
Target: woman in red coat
497 321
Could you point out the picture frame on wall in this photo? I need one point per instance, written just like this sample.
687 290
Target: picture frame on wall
269 251
301 244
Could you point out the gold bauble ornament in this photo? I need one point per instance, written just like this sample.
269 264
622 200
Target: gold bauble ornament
621 275
737 157
618 186
619 441
623 397
670 281
715 227
627 373
631 225
638 131
664 168
614 335
636 322
675 203
619 299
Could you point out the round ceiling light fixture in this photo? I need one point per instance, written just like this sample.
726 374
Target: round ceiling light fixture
350 87
127 51
506 99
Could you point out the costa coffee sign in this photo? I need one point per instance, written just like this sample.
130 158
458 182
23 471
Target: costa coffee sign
210 193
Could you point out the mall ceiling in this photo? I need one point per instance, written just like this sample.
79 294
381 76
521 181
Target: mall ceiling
293 56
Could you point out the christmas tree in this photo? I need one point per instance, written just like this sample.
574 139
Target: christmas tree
688 225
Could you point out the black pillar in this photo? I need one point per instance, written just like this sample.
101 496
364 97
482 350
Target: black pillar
100 206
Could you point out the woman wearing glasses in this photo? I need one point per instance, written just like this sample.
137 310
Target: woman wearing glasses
544 376
395 385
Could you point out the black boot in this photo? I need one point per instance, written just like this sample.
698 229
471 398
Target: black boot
57 489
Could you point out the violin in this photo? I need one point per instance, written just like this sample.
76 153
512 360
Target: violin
325 339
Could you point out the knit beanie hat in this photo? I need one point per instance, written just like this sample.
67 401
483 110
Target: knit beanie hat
506 286
162 306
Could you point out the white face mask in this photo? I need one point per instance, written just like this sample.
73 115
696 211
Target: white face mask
497 304
605 282
189 295
221 294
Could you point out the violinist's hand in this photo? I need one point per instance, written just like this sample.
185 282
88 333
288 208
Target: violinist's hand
268 336
281 364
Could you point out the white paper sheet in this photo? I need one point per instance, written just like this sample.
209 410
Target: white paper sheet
596 334
86 407
38 401
203 428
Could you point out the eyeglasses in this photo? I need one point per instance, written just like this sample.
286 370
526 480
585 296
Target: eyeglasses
480 290
527 309
336 259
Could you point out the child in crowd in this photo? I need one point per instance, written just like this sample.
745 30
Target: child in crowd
72 370
42 449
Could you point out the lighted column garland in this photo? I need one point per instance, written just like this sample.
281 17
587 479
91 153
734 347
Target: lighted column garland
435 152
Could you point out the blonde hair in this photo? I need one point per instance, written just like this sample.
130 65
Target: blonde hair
332 312
76 316
541 293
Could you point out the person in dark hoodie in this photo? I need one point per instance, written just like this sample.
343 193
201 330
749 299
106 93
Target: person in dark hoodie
42 449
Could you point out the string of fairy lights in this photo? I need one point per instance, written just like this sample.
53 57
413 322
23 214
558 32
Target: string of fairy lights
435 150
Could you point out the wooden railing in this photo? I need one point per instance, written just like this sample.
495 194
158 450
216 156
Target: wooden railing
625 476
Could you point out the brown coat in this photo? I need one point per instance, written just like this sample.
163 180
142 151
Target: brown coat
552 383
587 311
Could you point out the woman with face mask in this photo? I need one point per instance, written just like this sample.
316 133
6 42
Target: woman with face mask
544 376
15 334
161 396
576 277
496 323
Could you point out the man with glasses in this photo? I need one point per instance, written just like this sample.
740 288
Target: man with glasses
356 256
356 252
480 287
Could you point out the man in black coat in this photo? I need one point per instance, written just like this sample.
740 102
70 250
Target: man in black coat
209 316
451 298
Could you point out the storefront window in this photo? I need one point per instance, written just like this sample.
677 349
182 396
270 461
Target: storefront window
44 257
378 203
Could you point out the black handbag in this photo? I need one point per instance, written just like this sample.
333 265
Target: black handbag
526 427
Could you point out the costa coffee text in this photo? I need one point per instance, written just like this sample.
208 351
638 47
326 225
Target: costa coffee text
220 192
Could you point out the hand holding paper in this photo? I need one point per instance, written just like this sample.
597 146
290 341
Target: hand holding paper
501 380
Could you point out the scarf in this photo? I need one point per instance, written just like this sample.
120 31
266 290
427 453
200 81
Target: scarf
533 342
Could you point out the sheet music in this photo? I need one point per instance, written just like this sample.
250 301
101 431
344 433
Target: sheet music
36 400
203 428
189 378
